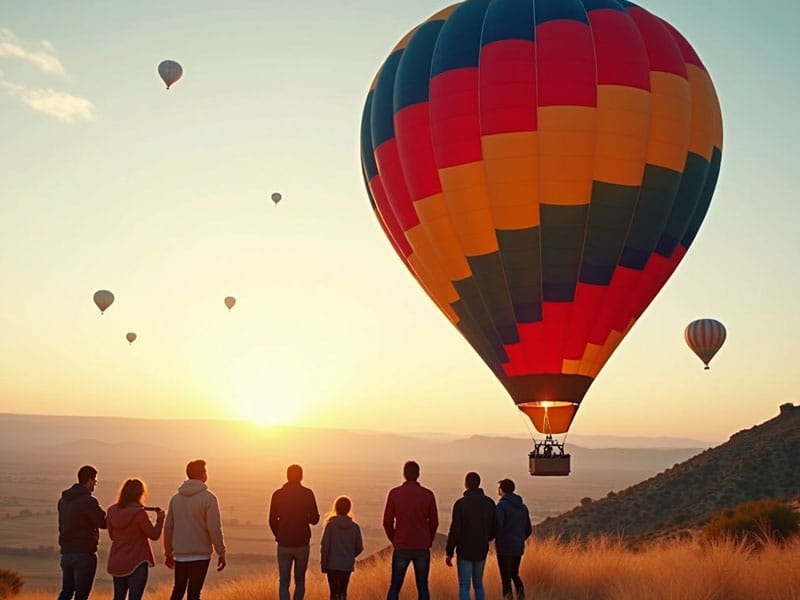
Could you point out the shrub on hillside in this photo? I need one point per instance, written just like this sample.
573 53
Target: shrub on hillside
11 583
754 522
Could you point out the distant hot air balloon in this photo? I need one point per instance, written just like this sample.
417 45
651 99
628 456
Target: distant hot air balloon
170 71
131 337
276 197
705 337
103 299
541 167
230 301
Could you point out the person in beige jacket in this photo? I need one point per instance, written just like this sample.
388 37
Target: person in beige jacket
192 528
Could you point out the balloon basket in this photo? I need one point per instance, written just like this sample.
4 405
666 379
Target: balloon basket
548 459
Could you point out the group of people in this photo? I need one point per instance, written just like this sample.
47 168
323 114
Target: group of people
192 532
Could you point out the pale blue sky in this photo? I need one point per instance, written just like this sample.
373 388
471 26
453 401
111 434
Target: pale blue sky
163 197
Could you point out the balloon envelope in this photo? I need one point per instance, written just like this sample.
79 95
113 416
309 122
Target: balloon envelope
170 71
230 301
705 337
276 197
541 167
103 299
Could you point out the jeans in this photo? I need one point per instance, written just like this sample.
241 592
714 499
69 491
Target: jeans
422 565
77 575
287 556
470 571
190 574
133 585
337 583
509 571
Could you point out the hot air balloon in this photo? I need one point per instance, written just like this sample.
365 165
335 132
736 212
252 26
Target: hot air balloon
230 301
131 337
103 299
705 337
276 197
542 167
170 71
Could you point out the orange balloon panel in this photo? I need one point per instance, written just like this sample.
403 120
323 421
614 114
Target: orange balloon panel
542 166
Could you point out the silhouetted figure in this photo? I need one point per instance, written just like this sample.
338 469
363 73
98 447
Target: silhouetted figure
341 543
130 531
292 511
471 529
513 528
192 528
79 520
410 521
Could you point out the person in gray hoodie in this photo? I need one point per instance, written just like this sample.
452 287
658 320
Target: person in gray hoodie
341 543
513 527
192 527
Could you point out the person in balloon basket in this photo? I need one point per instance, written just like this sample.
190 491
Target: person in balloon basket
79 520
131 530
410 520
292 511
192 527
341 543
472 527
513 527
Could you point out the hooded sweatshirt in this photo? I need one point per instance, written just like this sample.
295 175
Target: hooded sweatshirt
79 519
193 522
513 526
472 526
130 530
341 543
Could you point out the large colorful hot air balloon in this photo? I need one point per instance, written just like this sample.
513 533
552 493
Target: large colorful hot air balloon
103 299
170 71
705 337
542 167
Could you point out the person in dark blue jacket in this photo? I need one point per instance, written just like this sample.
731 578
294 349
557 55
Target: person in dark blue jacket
79 520
513 528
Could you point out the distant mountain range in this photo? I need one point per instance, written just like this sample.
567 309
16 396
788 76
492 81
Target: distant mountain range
756 463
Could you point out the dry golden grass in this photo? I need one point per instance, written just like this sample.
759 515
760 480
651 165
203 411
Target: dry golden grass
601 570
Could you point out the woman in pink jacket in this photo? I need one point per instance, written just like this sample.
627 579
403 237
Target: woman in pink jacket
131 531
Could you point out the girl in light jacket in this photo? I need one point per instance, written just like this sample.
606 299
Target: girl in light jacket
341 543
130 530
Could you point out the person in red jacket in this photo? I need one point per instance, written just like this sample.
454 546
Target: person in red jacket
292 511
410 520
130 530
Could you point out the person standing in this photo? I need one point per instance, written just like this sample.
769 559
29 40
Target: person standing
193 526
341 543
471 529
292 511
79 520
130 530
513 528
410 521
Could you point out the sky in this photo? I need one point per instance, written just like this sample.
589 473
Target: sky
108 181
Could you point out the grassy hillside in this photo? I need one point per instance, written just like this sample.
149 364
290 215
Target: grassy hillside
761 462
601 570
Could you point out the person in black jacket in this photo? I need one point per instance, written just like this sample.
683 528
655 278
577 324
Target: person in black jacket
292 510
79 520
513 528
471 529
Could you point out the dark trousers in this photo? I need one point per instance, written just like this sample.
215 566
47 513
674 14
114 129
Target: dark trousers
422 566
337 582
132 585
190 574
288 556
509 571
77 575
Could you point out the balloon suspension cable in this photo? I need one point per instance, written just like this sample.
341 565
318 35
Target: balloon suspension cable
527 423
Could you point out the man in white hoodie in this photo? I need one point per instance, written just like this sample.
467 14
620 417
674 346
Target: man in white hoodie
192 527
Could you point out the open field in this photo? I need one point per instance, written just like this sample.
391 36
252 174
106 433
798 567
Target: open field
602 570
